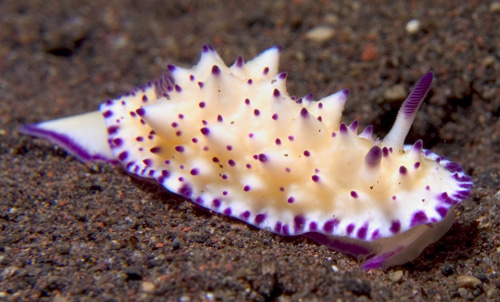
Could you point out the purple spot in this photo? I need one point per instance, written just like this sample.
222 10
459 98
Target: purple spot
140 111
132 114
256 112
165 173
185 190
291 199
224 193
245 215
395 226
204 131
194 140
181 116
177 88
107 113
117 142
179 149
219 118
147 162
113 129
215 159
171 67
442 211
227 211
249 81
419 217
304 113
275 116
195 172
291 138
313 226
393 197
266 70
250 135
247 101
320 118
330 225
307 153
201 84
373 157
260 218
334 134
278 141
287 170
343 128
315 178
282 189
262 157
416 165
224 176
276 93
216 202
376 234
282 75
362 231
298 223
320 105
354 194
155 150
428 188
248 166
402 170
277 227
229 147
191 78
231 162
122 156
239 62
202 104
174 125
246 188
198 200
215 70
284 229
350 228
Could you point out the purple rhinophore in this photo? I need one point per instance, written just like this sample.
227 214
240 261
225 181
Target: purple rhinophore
416 97
374 157
395 226
419 217
215 70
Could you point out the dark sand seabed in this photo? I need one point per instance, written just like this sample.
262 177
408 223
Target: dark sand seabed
89 232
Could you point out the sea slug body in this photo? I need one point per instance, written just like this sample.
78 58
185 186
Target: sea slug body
232 140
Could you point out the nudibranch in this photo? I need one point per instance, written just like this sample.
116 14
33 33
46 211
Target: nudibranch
232 140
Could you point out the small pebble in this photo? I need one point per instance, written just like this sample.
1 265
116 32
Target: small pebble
369 53
335 268
495 7
395 93
468 281
397 276
413 26
148 286
320 33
